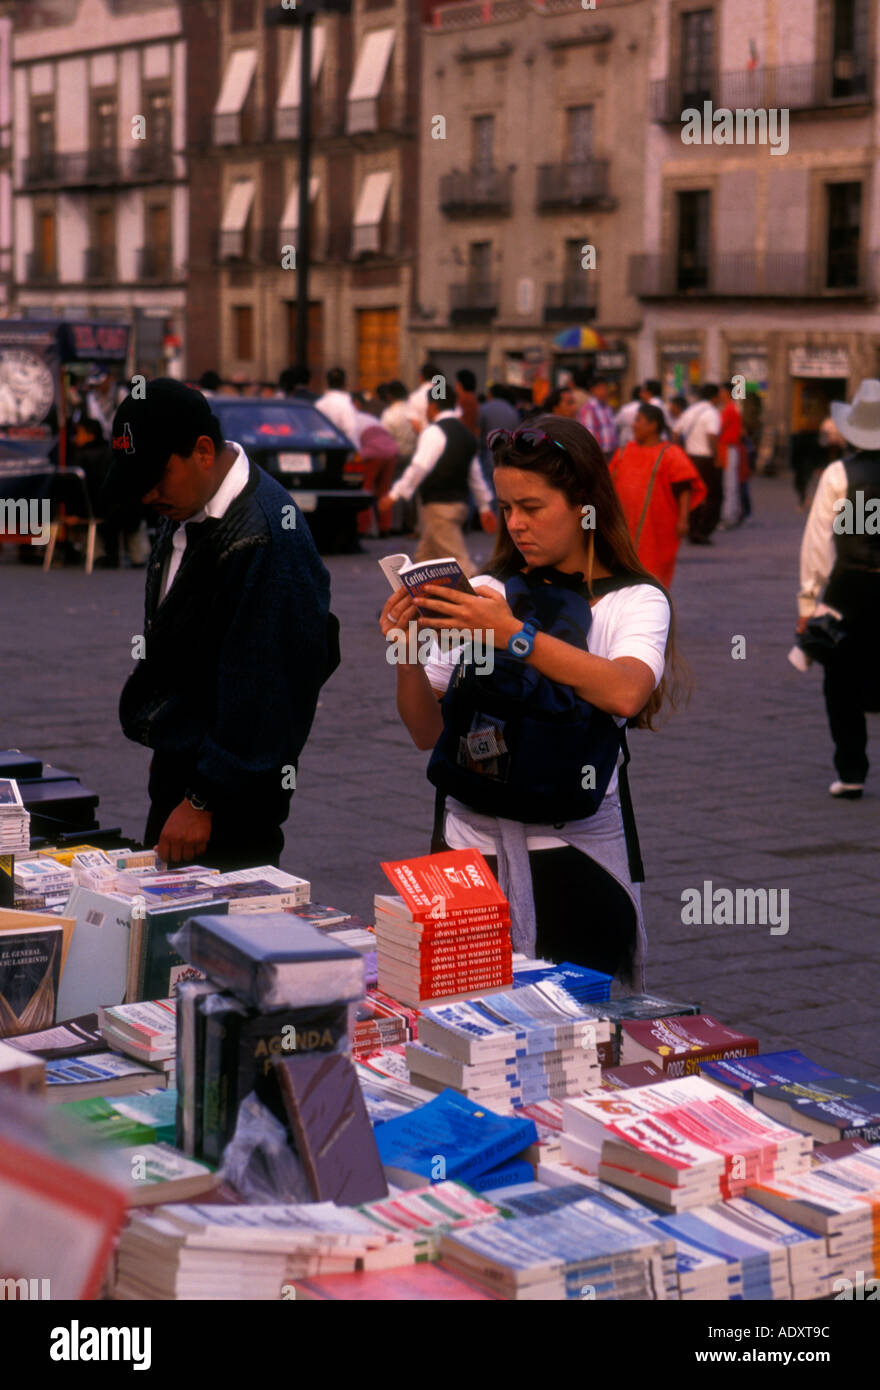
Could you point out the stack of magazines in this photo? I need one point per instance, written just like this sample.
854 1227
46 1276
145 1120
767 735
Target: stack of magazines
15 823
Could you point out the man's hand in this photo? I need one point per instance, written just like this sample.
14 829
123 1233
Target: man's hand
385 507
185 834
489 521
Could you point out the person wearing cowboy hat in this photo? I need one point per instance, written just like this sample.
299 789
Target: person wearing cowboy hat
840 571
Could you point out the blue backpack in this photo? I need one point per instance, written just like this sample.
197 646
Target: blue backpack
518 745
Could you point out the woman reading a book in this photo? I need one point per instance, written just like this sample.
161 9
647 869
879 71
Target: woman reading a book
573 884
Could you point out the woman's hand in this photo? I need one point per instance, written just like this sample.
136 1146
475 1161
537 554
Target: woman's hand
485 610
397 613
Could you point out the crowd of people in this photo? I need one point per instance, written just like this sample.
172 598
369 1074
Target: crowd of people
680 468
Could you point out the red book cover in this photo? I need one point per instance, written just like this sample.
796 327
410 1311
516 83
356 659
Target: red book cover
679 1043
452 884
632 1074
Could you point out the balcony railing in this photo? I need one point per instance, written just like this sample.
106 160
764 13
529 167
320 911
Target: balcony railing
473 301
263 246
772 274
472 15
100 264
574 299
391 113
97 168
39 271
805 87
475 191
574 185
155 263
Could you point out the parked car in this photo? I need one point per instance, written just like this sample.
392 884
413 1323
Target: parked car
307 454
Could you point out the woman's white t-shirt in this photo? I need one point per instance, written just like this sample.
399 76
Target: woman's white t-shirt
627 622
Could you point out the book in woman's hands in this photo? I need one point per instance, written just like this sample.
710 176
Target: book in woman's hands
404 573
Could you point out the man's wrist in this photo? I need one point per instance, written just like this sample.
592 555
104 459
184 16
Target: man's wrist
196 801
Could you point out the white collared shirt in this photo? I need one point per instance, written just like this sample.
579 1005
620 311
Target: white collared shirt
818 551
216 506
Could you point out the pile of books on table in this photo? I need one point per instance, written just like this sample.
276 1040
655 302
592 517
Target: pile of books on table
446 931
15 822
509 1049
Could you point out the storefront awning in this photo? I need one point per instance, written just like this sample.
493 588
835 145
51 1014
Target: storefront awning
287 111
370 211
366 84
237 80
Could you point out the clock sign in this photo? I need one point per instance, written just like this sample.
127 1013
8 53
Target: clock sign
27 388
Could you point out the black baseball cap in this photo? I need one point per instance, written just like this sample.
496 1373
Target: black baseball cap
166 417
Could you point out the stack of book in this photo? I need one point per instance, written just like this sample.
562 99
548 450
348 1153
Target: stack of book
424 1214
271 1019
632 1007
837 1201
41 885
680 1143
509 1049
585 985
376 1026
147 1032
584 1250
99 1074
679 1046
451 1137
447 934
248 1252
15 822
735 1250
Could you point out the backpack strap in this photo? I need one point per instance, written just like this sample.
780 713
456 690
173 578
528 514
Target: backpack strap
638 535
630 832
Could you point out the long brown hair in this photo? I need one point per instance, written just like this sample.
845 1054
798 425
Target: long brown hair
578 470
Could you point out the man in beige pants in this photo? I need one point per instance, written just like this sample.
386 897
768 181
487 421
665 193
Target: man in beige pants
445 471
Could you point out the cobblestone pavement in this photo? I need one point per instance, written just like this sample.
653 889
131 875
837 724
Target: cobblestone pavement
732 791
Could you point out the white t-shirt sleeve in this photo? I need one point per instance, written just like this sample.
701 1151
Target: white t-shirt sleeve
635 623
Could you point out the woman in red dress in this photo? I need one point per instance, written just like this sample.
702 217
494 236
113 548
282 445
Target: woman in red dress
657 485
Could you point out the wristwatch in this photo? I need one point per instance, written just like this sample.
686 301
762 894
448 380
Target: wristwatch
196 802
522 642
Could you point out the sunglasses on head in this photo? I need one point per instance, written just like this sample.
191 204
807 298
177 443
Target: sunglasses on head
525 439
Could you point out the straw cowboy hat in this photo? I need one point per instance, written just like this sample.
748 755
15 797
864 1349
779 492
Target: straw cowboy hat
859 423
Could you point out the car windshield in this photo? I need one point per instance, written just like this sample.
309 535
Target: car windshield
270 424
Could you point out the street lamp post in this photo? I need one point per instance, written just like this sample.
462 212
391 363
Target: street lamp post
303 14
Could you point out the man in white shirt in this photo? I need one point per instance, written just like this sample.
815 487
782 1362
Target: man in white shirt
840 572
445 469
625 418
697 431
418 399
337 405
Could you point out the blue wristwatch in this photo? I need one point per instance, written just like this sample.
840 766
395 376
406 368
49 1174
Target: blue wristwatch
522 642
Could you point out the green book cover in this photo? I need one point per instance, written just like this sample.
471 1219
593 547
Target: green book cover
161 968
127 1120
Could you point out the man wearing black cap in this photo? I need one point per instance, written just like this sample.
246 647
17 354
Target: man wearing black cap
238 632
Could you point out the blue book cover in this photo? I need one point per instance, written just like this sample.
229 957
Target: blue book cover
744 1074
452 1137
583 984
505 1175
